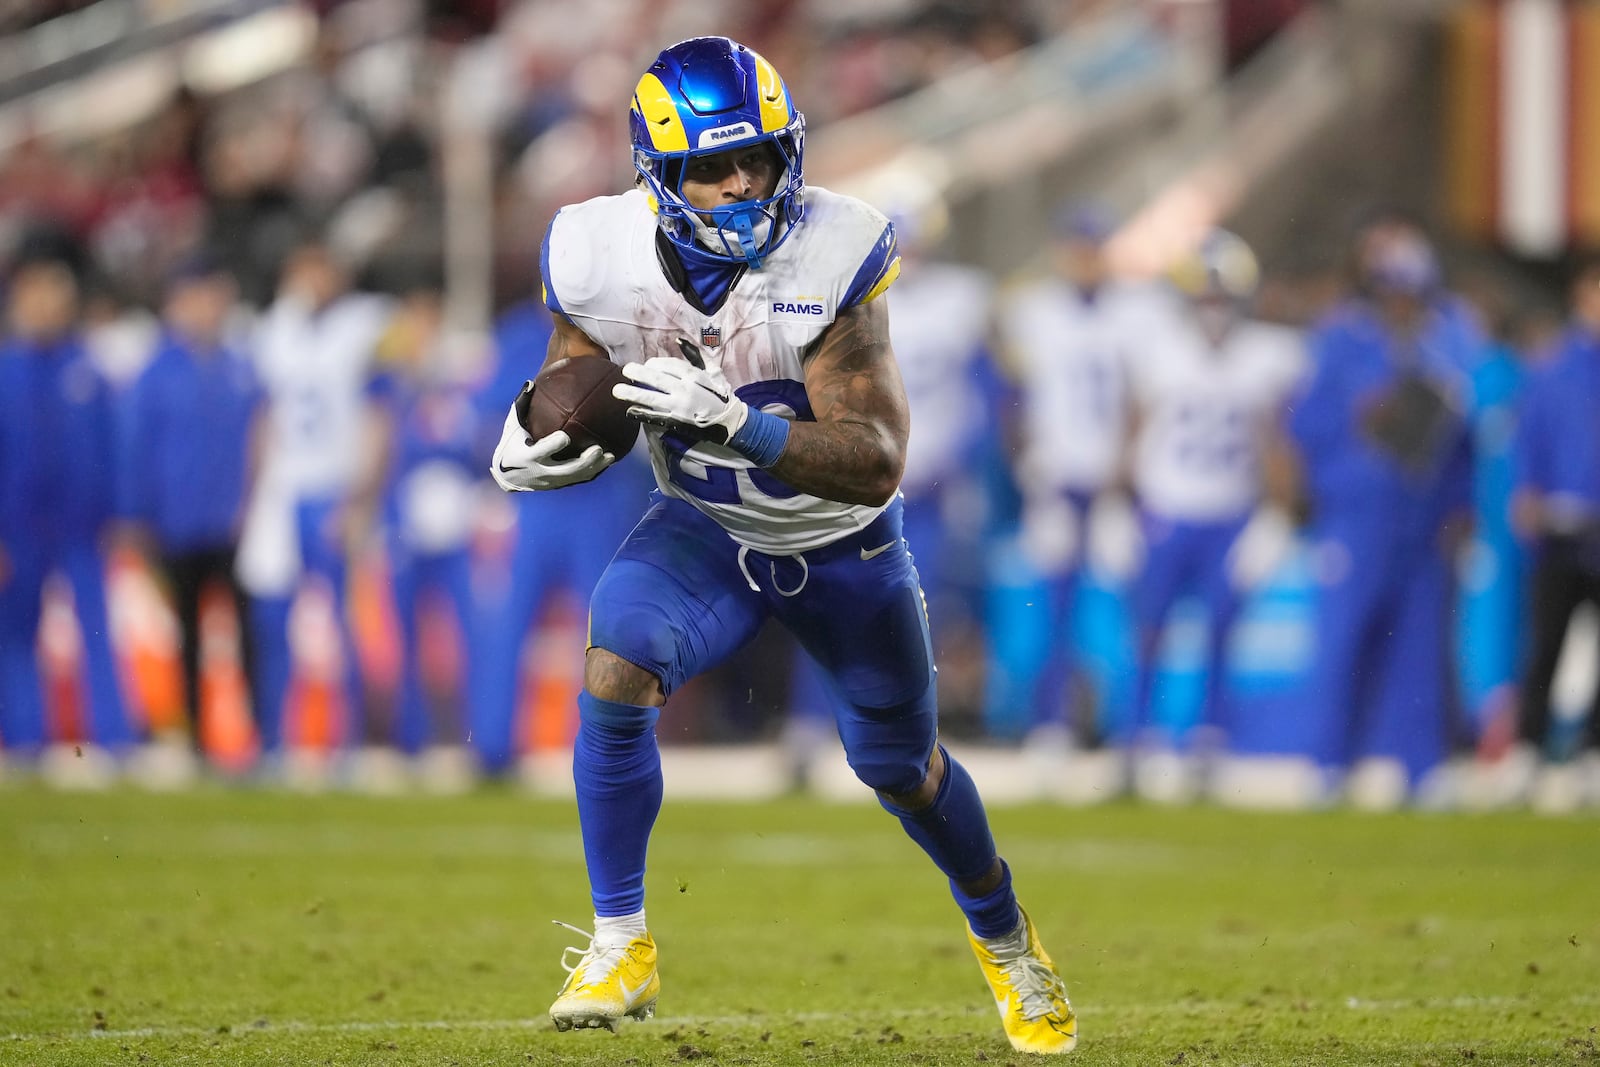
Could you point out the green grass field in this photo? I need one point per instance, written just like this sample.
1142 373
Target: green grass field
259 928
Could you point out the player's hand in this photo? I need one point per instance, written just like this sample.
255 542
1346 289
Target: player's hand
1260 548
1050 536
1116 543
521 464
680 396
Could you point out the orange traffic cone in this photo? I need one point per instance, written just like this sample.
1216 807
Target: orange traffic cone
549 718
144 631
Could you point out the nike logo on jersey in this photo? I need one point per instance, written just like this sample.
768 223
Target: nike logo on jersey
873 553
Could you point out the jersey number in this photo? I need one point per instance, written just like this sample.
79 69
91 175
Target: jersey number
720 485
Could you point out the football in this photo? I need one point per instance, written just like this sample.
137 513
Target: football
574 394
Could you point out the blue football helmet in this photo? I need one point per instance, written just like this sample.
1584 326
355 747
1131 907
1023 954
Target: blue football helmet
700 97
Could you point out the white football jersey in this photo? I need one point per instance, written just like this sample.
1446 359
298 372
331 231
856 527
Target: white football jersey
939 324
314 367
1070 355
602 273
1204 411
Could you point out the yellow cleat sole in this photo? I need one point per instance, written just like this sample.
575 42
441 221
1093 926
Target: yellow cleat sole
589 1020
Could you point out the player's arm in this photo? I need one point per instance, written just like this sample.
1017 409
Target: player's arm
855 451
567 340
520 463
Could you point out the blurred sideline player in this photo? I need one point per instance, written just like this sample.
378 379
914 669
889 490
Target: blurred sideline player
1206 395
778 454
193 417
1556 511
60 477
429 496
1069 338
561 543
1380 432
317 494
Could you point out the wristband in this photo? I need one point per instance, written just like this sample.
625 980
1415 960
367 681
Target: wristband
762 438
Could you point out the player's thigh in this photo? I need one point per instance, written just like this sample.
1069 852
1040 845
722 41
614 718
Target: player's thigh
864 623
673 600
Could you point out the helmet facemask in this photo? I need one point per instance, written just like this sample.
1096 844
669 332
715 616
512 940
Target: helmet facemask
747 231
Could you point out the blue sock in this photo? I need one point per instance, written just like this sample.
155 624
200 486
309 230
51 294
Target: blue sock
954 832
995 914
617 769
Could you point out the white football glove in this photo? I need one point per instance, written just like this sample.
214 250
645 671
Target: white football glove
680 396
1116 536
521 464
1050 536
1260 548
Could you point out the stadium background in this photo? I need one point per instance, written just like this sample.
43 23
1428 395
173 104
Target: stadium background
440 136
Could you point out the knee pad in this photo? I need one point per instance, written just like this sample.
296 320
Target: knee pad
641 637
889 775
889 748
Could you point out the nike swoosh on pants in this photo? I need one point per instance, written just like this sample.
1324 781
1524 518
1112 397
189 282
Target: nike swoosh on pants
869 553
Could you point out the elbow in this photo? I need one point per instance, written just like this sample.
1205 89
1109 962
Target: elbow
882 480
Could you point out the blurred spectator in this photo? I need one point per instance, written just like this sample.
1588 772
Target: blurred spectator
560 542
316 497
60 471
1382 441
1070 338
193 416
430 496
1557 511
1207 392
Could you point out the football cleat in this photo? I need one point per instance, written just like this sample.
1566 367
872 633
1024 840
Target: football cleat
611 980
1030 994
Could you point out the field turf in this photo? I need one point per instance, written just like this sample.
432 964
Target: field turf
262 928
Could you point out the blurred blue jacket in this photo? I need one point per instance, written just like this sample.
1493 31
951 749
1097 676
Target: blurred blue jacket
1558 440
59 468
190 415
1356 359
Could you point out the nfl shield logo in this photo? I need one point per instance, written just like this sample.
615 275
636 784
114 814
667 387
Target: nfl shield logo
711 336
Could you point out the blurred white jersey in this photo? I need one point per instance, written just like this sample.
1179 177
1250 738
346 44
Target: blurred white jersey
602 273
1204 411
1071 354
314 367
939 324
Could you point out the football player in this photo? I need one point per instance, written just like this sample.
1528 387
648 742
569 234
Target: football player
1207 391
317 492
1381 436
1069 336
745 308
61 486
1556 510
